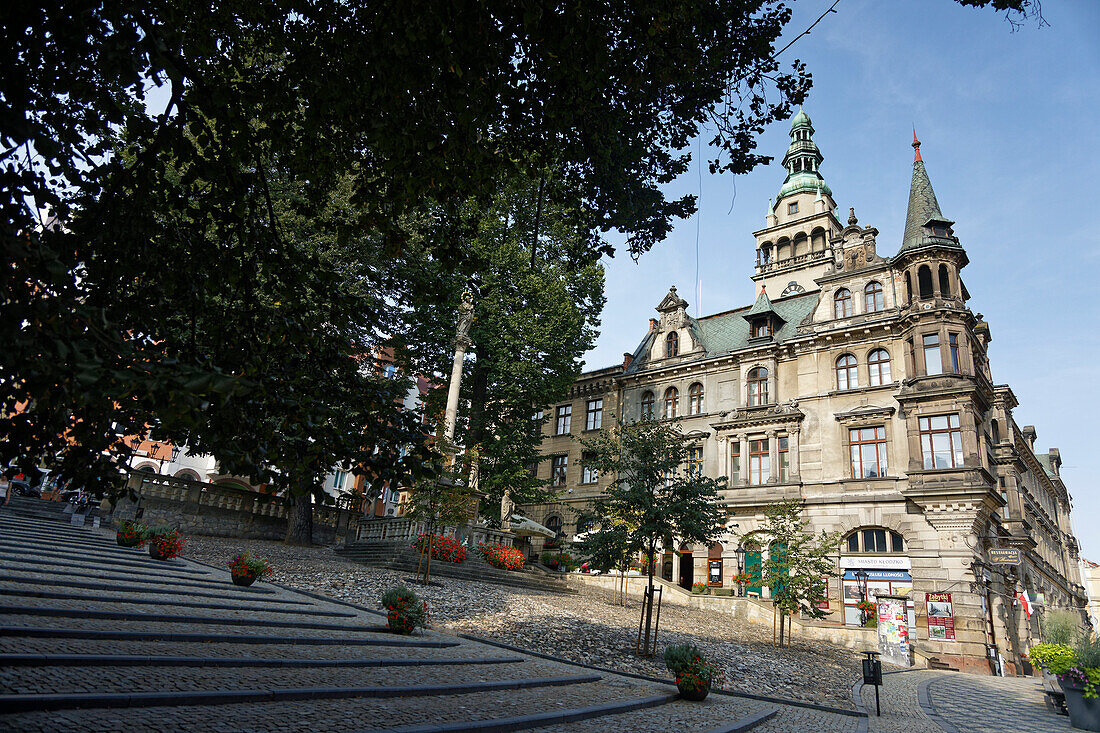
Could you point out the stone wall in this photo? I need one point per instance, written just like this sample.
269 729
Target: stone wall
200 508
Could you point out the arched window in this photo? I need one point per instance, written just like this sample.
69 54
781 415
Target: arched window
672 344
874 539
647 406
695 399
908 289
765 254
672 402
842 303
873 299
846 376
758 387
996 432
945 282
554 524
924 282
878 364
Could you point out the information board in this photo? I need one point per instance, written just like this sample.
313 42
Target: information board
941 617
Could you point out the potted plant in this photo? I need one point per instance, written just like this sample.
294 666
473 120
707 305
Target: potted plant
505 558
164 543
1080 683
247 569
447 549
694 675
869 610
698 588
404 610
130 533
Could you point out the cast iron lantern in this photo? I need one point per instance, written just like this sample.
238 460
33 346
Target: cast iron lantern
741 552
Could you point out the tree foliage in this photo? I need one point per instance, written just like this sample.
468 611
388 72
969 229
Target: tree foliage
799 561
150 274
655 497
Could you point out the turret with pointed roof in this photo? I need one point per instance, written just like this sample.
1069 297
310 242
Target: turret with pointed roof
924 223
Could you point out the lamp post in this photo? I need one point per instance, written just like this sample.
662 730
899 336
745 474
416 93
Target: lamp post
861 582
741 552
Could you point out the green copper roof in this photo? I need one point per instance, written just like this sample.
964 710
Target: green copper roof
803 181
923 207
762 305
800 119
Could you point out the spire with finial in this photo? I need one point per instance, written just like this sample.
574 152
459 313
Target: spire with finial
852 220
923 206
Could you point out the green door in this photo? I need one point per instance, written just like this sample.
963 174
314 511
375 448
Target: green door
777 554
752 567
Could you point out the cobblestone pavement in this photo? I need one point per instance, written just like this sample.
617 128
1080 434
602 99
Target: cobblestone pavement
591 628
77 653
973 704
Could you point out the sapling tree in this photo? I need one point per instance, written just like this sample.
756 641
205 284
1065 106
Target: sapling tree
799 562
654 494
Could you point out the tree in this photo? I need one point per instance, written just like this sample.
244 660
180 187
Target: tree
655 495
799 562
610 547
420 108
438 503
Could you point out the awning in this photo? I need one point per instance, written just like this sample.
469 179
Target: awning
521 526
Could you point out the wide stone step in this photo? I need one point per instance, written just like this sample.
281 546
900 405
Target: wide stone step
133 660
114 599
86 701
30 582
49 632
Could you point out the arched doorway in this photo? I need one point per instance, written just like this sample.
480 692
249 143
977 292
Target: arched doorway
687 566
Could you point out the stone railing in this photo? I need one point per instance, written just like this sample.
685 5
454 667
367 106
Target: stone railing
402 529
215 509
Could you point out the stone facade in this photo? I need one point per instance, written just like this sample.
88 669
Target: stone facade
865 391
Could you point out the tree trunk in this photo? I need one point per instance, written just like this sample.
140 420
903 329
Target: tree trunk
648 604
782 619
299 526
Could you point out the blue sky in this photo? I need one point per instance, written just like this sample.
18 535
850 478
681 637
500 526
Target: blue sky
1009 130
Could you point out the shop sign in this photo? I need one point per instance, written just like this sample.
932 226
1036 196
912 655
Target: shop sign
893 630
870 562
1004 555
941 617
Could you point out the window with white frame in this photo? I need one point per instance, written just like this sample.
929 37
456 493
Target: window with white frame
594 415
565 417
558 466
878 365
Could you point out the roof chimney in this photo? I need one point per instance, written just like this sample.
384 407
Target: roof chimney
652 324
1055 461
627 360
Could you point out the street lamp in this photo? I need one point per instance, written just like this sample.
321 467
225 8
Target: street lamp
861 582
741 552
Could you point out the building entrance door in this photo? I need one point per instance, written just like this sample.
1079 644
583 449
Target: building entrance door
752 567
687 570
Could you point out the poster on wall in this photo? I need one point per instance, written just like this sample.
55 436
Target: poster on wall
941 617
893 630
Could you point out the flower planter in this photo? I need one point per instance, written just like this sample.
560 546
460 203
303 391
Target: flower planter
155 552
244 579
127 540
694 693
1084 712
400 624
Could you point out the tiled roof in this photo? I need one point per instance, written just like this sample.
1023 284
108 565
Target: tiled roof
729 331
922 207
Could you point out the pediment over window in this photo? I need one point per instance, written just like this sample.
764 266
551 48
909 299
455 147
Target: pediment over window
865 412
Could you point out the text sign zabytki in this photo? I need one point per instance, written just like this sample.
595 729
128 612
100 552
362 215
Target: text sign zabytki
1004 555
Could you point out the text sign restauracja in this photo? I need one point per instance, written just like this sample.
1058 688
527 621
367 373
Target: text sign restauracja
1004 555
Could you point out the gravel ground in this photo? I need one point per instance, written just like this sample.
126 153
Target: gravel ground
590 627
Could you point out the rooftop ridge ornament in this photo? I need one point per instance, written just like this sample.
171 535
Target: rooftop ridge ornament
916 147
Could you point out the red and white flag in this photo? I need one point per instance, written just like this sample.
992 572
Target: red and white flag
1025 601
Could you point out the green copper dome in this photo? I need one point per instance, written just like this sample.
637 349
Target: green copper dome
801 119
802 161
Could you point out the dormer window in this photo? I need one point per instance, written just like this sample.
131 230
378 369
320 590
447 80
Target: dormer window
761 328
939 230
792 208
672 344
842 303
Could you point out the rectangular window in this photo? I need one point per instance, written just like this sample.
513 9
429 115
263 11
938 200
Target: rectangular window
760 465
933 363
565 416
874 540
941 441
695 461
594 419
953 342
792 208
868 448
761 328
735 462
558 465
784 458
589 475
338 480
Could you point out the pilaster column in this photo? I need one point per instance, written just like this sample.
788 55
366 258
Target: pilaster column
793 435
773 457
744 439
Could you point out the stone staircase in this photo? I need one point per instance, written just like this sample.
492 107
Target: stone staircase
29 507
96 637
400 556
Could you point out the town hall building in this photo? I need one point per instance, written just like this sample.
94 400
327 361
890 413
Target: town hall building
859 383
